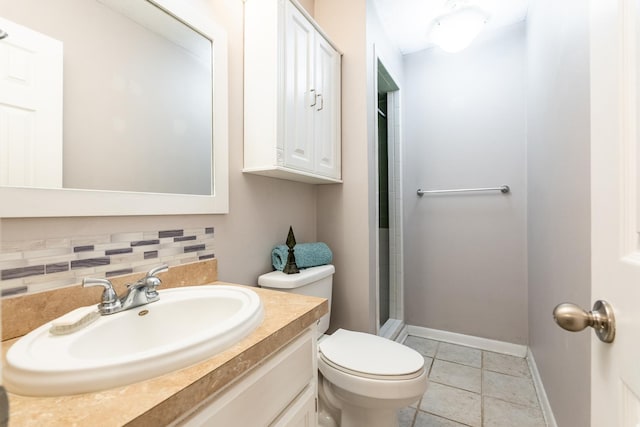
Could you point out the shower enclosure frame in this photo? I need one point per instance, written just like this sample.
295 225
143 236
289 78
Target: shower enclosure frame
394 327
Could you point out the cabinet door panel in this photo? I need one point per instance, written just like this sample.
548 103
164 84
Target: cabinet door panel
300 97
271 392
327 114
302 412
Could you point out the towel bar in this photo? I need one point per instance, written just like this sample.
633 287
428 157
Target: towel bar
503 189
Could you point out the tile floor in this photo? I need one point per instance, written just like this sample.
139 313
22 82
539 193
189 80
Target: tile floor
471 387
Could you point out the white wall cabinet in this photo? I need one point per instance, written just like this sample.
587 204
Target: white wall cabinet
292 95
281 392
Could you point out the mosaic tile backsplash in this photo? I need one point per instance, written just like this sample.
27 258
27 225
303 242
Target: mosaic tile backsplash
37 265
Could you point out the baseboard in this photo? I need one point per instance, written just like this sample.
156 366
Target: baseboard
469 341
542 395
402 336
392 329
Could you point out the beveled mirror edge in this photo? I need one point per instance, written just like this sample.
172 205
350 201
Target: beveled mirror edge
40 202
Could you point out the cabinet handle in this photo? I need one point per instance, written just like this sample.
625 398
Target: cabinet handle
312 92
321 102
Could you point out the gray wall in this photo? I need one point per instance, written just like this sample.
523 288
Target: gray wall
558 199
261 209
343 209
347 213
464 126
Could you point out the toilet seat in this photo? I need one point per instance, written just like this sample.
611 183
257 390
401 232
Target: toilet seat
370 356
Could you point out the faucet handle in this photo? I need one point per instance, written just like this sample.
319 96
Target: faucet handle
110 302
157 270
152 282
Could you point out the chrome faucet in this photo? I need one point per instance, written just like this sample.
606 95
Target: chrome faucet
142 292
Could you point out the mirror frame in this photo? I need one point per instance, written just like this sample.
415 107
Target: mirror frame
22 202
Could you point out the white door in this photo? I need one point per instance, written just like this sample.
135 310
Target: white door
30 108
615 176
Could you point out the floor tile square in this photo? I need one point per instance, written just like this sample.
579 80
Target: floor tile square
505 364
509 388
406 416
456 375
452 403
428 420
459 354
424 346
498 413
471 387
415 404
428 363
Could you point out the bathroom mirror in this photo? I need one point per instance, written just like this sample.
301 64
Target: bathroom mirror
133 116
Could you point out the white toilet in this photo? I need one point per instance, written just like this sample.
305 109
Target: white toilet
365 379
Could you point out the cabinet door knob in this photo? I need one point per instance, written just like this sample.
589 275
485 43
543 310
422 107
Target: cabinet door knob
321 102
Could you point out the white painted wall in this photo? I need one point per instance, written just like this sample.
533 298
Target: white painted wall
347 212
343 209
261 209
309 5
558 174
464 126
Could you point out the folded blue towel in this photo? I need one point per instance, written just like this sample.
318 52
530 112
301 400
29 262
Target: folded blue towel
306 254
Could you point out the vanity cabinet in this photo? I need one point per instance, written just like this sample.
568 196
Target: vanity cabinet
281 392
292 95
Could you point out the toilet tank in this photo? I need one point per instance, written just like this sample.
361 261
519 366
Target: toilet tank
314 281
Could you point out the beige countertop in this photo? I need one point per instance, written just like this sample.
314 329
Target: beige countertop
163 399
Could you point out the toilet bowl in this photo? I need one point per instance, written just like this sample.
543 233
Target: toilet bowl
369 377
364 379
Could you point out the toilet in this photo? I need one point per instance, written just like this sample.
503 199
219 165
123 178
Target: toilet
364 379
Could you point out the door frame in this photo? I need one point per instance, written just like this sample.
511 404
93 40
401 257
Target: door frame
395 327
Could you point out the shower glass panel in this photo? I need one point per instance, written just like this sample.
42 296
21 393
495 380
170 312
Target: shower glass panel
383 210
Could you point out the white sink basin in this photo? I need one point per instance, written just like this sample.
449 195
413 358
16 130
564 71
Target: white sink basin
187 325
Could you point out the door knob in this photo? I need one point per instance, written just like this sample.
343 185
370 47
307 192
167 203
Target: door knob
573 318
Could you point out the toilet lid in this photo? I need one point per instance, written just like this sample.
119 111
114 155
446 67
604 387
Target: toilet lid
370 355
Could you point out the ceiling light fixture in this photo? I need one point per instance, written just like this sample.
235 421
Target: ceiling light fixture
455 30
